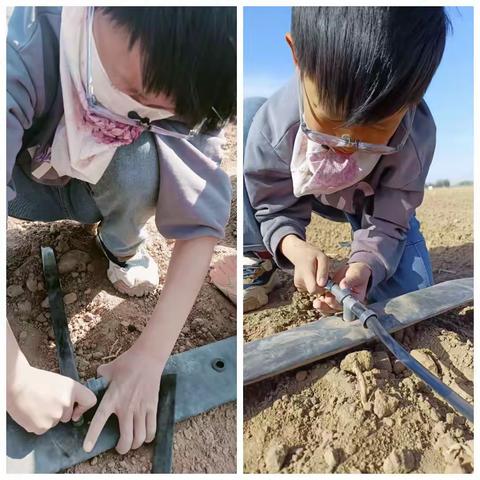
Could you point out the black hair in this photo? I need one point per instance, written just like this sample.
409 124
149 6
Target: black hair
368 62
188 53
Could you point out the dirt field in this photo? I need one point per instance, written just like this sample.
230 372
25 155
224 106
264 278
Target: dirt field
104 323
312 420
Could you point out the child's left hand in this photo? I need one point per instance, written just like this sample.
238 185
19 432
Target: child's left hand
355 277
132 395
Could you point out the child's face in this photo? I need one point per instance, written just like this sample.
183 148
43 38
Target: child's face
316 119
123 65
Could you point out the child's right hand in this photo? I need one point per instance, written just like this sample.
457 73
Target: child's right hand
39 399
311 264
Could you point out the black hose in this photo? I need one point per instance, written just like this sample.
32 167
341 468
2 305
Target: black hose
457 402
370 320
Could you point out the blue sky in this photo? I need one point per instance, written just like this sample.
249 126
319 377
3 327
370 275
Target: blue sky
268 64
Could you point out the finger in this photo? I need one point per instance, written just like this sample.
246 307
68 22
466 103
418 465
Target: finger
323 307
299 283
151 423
340 274
125 421
67 414
96 426
322 270
355 276
331 302
102 371
84 398
311 283
139 429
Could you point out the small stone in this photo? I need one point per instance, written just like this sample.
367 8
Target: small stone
111 465
399 461
331 458
24 308
70 298
125 323
275 457
45 303
301 376
14 291
389 422
434 415
384 405
31 283
88 291
364 359
90 267
94 461
445 442
97 355
449 418
50 333
426 358
41 318
74 274
23 335
381 360
74 260
398 367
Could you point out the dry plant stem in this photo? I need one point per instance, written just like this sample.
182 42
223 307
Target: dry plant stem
362 386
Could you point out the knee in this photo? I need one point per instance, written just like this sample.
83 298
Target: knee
134 171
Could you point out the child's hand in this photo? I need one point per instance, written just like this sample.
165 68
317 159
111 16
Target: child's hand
311 264
355 277
132 395
40 399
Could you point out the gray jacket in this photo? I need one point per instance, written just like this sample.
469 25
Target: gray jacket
194 192
386 199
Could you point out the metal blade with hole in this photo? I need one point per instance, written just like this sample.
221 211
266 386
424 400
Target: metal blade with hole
206 378
323 338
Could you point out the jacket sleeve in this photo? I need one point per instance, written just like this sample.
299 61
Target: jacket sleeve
32 74
268 182
195 193
386 215
21 100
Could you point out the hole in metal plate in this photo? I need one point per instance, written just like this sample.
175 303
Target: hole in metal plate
218 364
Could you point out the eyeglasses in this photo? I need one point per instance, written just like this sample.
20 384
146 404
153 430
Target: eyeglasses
345 141
134 119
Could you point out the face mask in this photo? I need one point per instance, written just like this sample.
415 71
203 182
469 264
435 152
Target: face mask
317 170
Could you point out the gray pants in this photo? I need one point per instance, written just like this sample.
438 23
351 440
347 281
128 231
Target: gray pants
123 199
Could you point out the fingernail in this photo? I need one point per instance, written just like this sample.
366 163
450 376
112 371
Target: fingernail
322 282
88 446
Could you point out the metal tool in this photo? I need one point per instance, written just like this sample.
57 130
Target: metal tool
369 319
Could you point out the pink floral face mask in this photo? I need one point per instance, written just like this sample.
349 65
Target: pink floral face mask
318 170
331 169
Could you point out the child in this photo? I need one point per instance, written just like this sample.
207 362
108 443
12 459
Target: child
350 138
114 115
